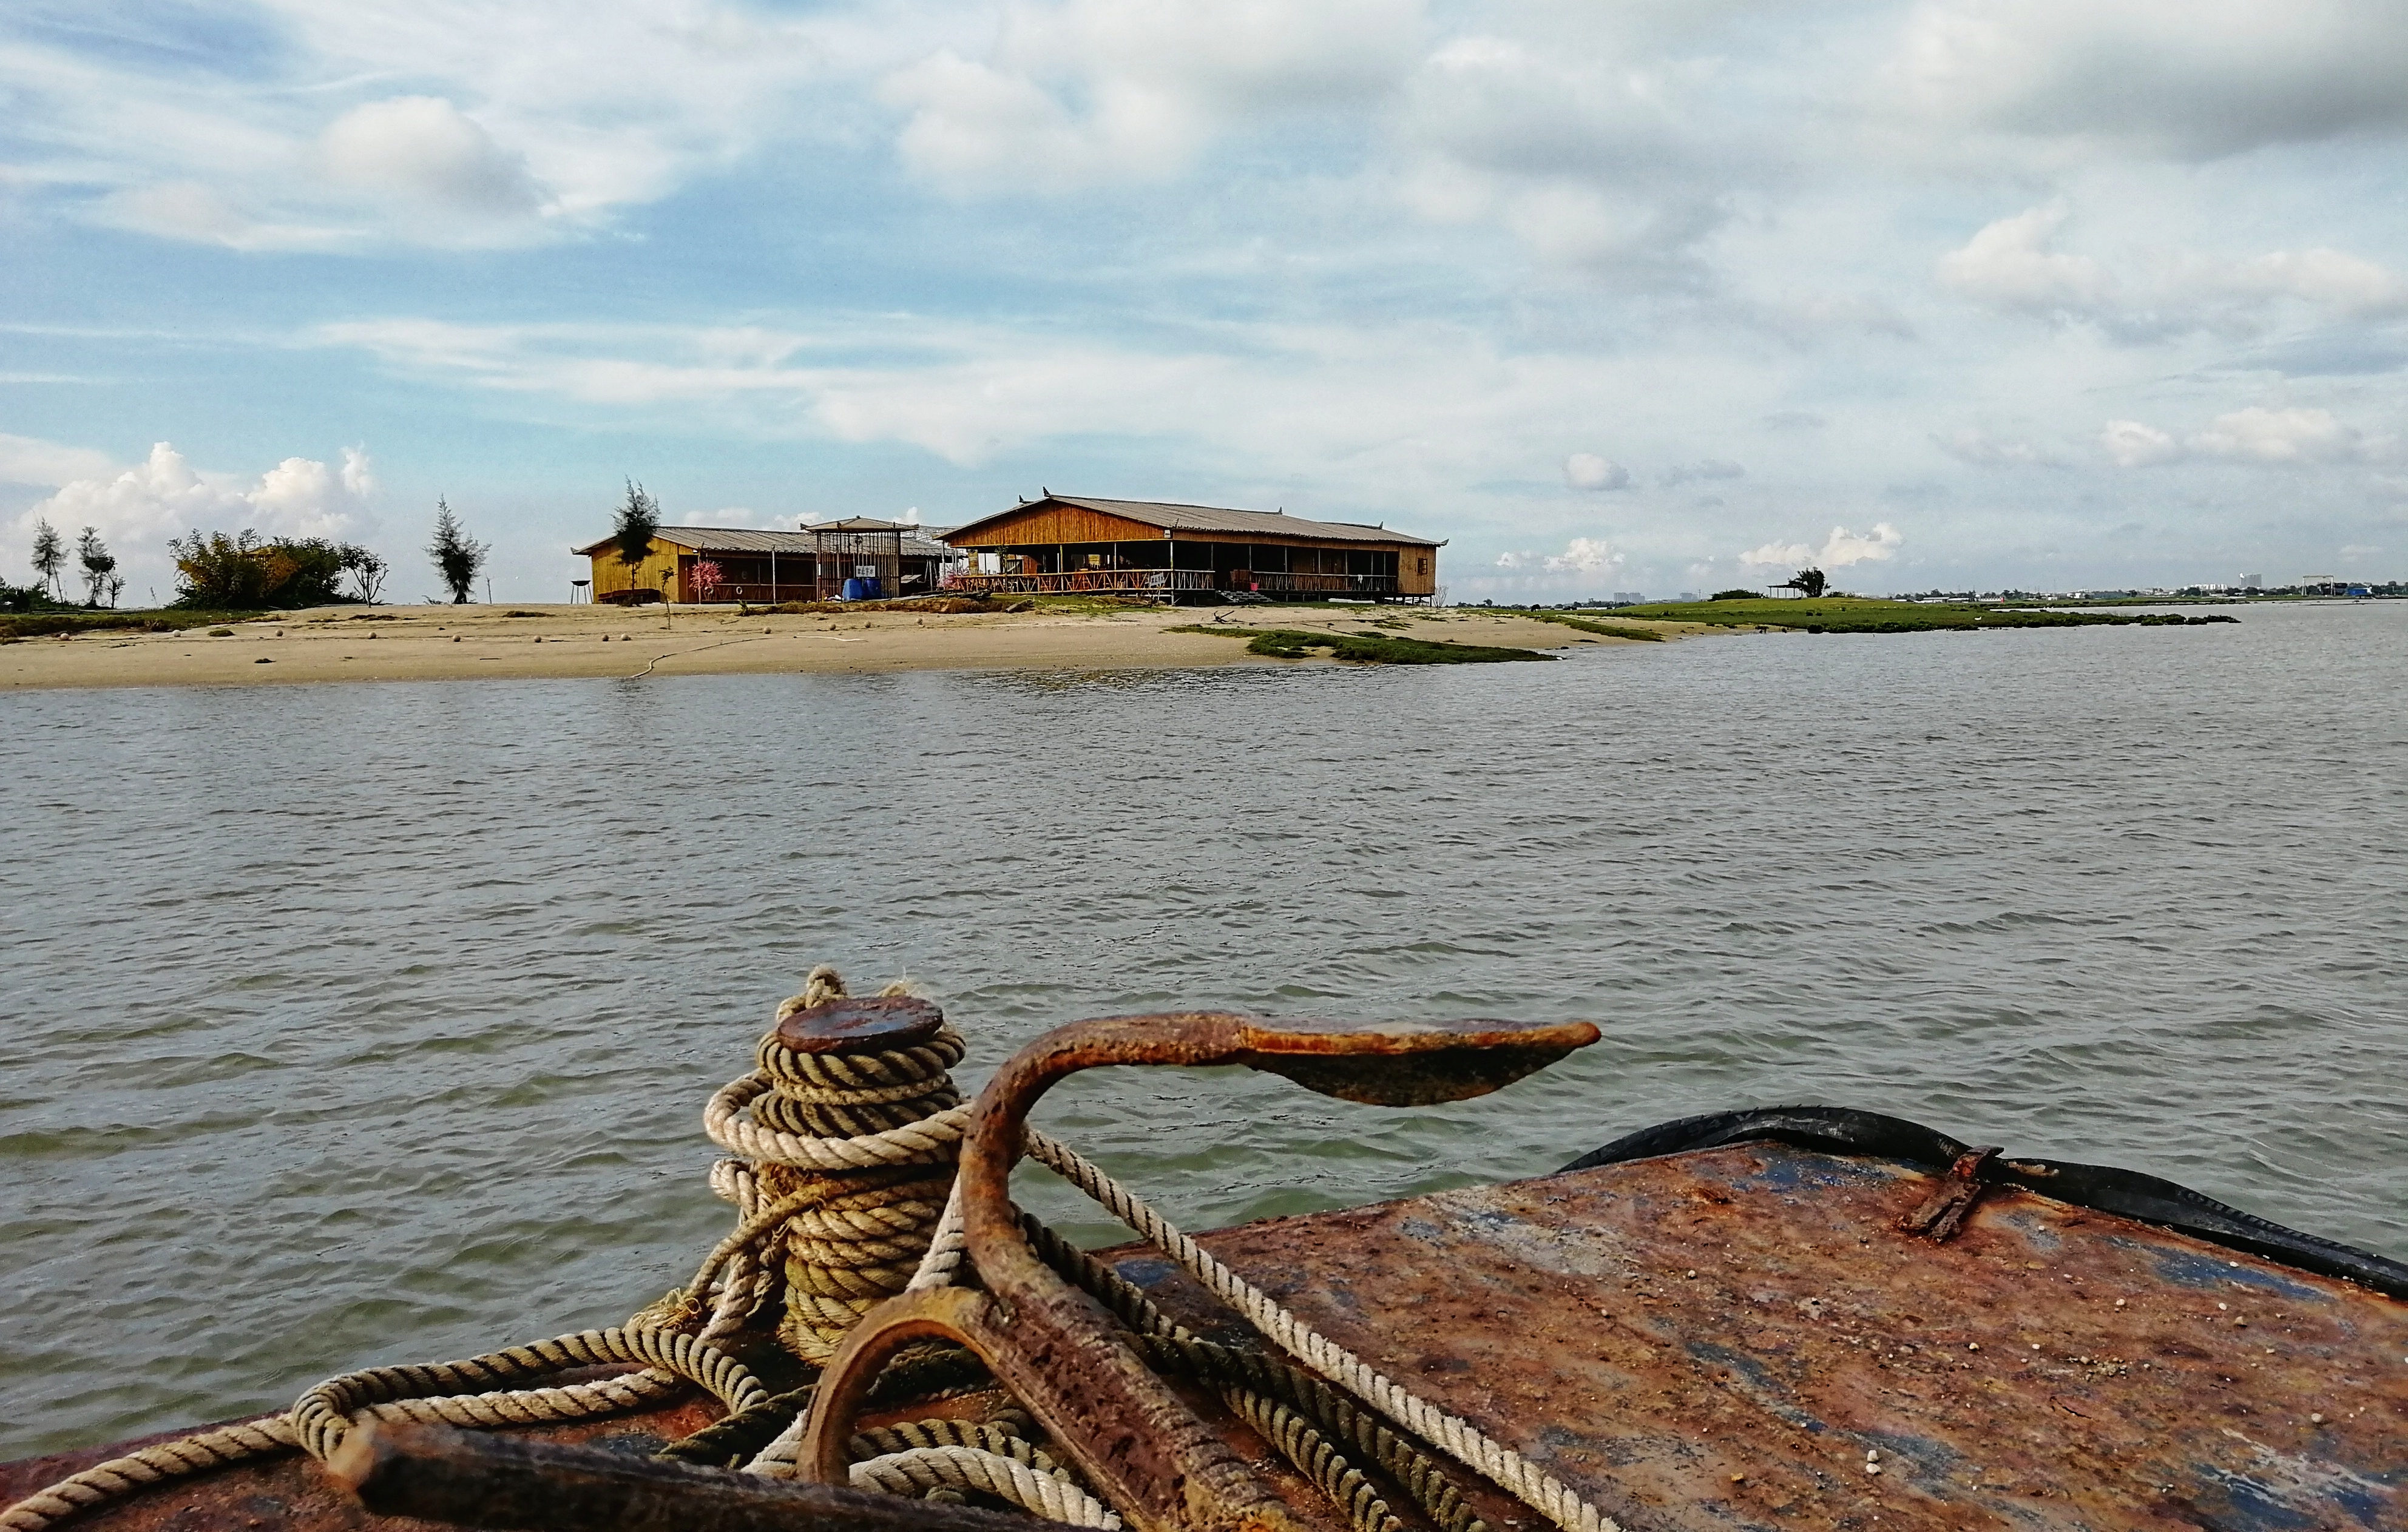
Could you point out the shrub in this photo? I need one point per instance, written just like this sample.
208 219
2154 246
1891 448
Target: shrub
241 573
1736 594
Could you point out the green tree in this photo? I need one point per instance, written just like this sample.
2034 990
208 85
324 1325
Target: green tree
98 564
50 555
219 573
634 523
457 556
366 571
1806 583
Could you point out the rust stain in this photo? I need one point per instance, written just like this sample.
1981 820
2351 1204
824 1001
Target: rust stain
1743 1336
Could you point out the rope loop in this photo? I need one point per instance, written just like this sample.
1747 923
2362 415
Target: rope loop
917 1471
447 1392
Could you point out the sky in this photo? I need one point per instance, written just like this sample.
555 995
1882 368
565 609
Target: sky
1611 295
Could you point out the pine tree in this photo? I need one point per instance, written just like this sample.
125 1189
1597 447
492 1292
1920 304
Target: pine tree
98 564
50 555
457 556
635 523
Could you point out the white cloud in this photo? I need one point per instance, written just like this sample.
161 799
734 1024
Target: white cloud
1984 451
359 476
138 510
285 131
421 151
2008 265
2184 78
1840 550
1585 556
1431 405
1591 160
2290 437
1582 560
2348 286
1588 471
2133 445
29 460
1102 92
2281 435
1707 468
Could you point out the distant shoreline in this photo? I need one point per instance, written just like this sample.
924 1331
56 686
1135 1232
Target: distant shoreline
601 643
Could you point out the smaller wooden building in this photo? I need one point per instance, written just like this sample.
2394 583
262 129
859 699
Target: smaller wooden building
810 564
1151 547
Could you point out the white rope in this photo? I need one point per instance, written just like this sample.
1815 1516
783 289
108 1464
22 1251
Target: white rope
779 1459
928 1141
104 1482
942 1263
319 1421
922 1468
1459 1438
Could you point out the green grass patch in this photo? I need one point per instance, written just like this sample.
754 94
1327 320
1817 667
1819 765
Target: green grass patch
170 619
1359 648
1868 614
1610 630
1101 603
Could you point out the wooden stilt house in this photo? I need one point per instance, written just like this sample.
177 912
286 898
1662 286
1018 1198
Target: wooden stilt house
1142 547
814 564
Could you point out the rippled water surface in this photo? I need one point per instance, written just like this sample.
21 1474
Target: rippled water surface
371 1022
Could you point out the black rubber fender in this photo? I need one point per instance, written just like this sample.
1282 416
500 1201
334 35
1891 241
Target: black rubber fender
2127 1194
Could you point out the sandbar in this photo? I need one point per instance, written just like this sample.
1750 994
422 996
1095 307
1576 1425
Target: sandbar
454 643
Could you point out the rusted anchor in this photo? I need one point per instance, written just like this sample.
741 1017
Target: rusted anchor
1056 1349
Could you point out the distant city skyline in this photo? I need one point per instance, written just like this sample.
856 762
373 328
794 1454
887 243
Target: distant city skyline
1930 292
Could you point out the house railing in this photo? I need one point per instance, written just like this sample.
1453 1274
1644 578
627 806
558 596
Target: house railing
1271 583
762 593
1143 581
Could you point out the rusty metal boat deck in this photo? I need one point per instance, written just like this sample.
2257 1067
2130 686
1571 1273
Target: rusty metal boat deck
1802 1317
1743 1336
1739 1336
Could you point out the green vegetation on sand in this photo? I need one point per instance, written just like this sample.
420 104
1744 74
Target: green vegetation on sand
1868 614
1610 630
1359 648
42 624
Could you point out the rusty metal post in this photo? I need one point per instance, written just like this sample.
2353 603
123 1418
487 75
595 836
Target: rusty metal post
434 1474
1056 1349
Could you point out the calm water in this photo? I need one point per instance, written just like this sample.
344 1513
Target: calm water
373 1023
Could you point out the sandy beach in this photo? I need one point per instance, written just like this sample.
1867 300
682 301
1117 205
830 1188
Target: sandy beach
450 643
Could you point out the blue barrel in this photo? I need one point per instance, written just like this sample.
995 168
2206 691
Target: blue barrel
870 590
854 590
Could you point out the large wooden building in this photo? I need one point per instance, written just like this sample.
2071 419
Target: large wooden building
810 564
1072 543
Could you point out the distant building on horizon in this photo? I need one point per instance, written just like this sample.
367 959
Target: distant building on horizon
2253 582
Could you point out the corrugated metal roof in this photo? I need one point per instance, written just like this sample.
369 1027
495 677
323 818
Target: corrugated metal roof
744 539
1178 518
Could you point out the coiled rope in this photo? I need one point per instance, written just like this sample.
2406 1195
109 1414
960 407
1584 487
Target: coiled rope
851 1159
917 1471
851 1154
845 1194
